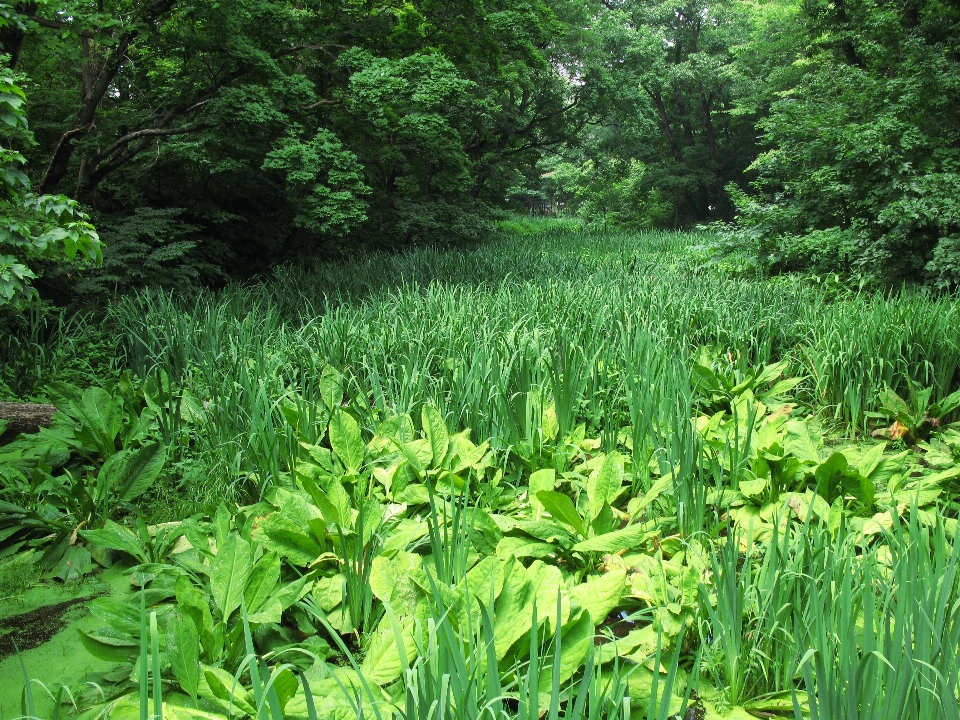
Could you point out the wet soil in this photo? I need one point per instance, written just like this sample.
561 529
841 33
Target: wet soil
32 629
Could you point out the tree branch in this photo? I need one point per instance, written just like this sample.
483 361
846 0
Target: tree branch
55 25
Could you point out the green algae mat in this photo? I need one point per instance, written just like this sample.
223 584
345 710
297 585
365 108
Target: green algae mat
42 622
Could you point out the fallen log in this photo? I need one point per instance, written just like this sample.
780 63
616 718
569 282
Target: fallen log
24 418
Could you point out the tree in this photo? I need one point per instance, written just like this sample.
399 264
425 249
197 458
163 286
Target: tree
862 166
33 228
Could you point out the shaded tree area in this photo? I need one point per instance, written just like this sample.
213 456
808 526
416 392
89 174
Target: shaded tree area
233 135
208 140
859 170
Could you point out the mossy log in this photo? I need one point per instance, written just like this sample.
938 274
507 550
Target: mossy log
24 418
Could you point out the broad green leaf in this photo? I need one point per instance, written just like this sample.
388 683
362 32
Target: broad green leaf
561 508
270 612
521 547
469 456
576 636
601 594
130 473
549 424
217 685
222 521
640 643
752 488
110 645
390 582
871 459
943 476
193 604
548 530
629 538
662 484
229 573
320 455
101 418
75 563
262 581
829 475
513 610
893 403
540 481
331 387
547 582
945 406
279 534
803 441
340 500
183 651
604 484
409 452
435 431
346 441
382 664
117 537
289 593
485 579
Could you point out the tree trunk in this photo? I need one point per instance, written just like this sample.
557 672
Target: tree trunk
25 418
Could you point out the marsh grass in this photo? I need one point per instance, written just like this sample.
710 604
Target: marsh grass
599 326
523 341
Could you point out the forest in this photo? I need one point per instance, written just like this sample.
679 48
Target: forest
480 360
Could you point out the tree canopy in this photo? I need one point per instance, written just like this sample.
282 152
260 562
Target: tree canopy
216 139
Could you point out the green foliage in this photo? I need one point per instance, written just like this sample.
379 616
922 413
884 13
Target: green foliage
325 182
667 502
96 459
858 175
33 228
151 247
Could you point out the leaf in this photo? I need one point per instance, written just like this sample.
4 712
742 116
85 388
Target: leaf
604 484
389 580
542 480
183 651
130 473
218 685
829 475
561 508
513 609
641 642
117 537
270 612
871 459
601 594
229 573
576 635
100 417
435 431
521 547
75 563
289 593
803 441
893 404
752 488
346 441
331 387
381 664
279 534
655 491
629 538
262 581
110 645
547 583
